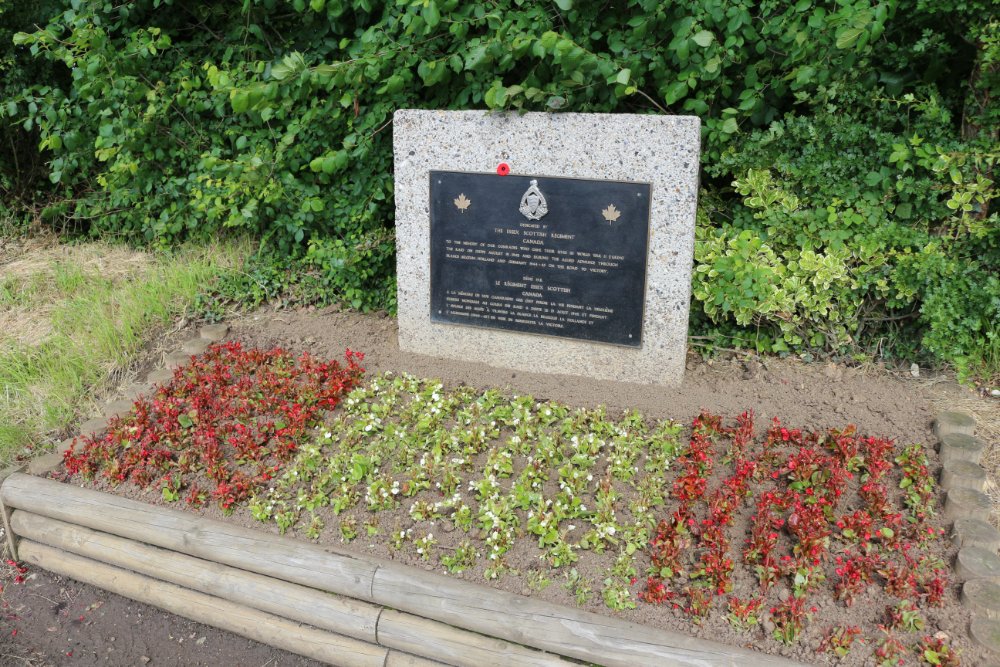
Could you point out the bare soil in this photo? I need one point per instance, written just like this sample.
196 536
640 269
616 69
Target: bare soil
807 396
50 621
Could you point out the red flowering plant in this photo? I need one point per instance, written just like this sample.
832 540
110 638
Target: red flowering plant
826 519
838 640
229 420
701 578
935 651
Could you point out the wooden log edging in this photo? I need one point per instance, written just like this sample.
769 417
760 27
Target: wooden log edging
541 625
239 619
344 616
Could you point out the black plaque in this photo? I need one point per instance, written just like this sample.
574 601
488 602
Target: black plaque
555 256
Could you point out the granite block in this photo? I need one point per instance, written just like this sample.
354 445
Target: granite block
660 150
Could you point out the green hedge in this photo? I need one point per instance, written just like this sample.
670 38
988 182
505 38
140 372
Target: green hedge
848 146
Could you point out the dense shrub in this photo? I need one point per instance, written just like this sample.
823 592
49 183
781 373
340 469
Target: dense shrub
23 169
848 146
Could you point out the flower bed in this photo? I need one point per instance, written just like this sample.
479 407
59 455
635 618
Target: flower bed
221 428
819 546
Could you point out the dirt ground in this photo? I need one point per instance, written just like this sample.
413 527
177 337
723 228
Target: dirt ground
808 396
55 620
49 621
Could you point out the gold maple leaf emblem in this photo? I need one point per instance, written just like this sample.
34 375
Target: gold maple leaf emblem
611 213
462 202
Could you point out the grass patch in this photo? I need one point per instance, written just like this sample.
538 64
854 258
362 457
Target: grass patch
71 316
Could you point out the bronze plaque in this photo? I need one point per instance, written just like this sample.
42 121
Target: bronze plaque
537 254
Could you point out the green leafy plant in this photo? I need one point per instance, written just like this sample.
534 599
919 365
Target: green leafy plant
848 148
577 586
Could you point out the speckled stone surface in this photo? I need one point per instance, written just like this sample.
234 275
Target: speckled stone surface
661 150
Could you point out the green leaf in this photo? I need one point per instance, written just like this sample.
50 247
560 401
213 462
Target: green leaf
431 15
703 38
623 76
549 40
564 5
848 36
475 57
431 72
730 126
393 85
240 101
185 421
675 91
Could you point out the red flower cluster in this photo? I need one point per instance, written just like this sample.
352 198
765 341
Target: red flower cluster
817 495
671 558
231 416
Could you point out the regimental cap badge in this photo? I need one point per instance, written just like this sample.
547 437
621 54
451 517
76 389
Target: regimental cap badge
533 205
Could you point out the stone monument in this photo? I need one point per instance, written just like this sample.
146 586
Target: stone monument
555 243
